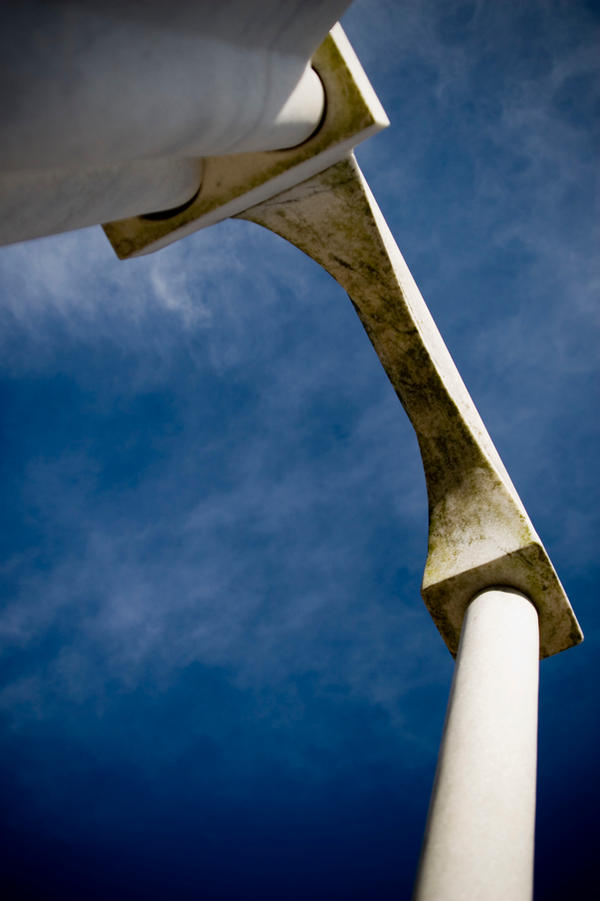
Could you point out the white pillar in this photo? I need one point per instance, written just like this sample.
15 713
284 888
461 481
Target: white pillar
84 85
479 837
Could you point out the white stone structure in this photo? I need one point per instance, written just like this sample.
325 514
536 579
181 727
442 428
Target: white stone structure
107 107
263 127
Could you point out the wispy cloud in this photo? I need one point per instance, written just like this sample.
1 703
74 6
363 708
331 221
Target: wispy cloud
247 546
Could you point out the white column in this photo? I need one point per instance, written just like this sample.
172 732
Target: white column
84 85
479 837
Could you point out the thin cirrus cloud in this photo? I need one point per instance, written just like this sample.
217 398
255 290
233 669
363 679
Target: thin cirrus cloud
174 561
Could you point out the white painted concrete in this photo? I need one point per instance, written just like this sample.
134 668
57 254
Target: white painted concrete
98 83
108 107
36 202
479 837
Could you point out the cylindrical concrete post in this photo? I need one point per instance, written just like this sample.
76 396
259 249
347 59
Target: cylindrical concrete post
480 830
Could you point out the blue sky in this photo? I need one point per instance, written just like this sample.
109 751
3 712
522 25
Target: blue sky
218 679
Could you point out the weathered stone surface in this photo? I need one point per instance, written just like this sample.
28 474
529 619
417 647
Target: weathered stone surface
479 533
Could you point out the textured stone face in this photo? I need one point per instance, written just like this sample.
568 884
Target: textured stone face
479 533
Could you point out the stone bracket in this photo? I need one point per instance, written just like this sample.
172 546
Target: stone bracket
480 535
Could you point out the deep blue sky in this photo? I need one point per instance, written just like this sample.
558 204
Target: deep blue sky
218 678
